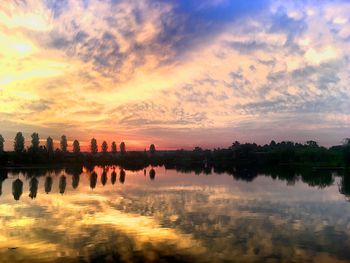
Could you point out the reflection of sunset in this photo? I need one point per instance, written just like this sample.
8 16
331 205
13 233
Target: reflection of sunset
204 217
95 209
145 229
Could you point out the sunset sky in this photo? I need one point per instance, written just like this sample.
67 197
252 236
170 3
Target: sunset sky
175 73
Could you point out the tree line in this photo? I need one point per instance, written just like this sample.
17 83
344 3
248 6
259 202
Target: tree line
238 154
47 153
19 145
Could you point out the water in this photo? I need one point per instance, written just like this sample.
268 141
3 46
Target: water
169 216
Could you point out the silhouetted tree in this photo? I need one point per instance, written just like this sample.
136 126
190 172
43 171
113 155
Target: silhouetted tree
104 147
76 147
35 141
197 149
235 144
93 146
2 141
17 189
62 184
33 187
49 145
93 180
312 144
48 184
346 151
122 148
152 174
346 141
113 177
19 143
114 147
122 176
64 143
152 149
104 178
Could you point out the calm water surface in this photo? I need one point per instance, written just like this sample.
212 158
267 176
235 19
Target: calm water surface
68 216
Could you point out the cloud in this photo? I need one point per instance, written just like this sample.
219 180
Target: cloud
126 35
147 114
248 47
37 106
130 68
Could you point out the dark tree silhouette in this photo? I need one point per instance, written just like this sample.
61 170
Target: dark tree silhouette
346 152
19 143
64 143
17 189
93 146
122 176
122 148
33 187
104 147
48 184
114 147
2 141
35 141
62 184
49 145
312 144
152 174
104 178
76 147
152 149
93 180
113 177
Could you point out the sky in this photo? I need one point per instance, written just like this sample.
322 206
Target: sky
175 73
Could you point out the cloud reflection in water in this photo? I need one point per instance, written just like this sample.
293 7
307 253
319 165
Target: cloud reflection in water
174 217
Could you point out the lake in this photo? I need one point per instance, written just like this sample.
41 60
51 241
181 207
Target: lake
113 215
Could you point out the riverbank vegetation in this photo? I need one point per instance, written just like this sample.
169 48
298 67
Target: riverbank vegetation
283 153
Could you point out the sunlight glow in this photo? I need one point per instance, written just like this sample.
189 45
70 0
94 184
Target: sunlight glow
23 48
319 56
117 77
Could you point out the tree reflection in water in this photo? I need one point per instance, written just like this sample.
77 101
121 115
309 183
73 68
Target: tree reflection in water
344 187
48 184
255 221
3 177
62 184
33 187
17 189
75 180
152 174
75 171
93 180
122 176
104 177
113 177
